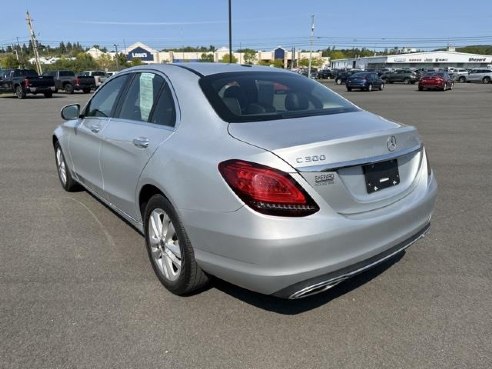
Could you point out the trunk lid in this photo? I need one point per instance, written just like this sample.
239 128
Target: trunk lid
335 154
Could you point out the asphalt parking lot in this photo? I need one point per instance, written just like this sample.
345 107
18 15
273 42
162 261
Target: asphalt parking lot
77 289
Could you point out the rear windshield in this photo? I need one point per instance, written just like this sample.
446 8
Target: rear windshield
259 96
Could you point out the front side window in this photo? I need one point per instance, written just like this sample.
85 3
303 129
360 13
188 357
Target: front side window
103 102
259 96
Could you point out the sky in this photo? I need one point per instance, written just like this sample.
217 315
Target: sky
256 24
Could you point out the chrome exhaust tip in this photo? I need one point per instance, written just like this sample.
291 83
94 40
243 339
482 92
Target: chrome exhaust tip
315 288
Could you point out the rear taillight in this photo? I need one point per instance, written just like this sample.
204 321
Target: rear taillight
267 190
26 82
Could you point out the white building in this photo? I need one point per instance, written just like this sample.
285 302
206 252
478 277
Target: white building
431 59
149 55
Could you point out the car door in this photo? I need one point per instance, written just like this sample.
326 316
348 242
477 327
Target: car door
85 144
145 118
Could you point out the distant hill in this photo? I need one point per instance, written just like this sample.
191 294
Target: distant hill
476 49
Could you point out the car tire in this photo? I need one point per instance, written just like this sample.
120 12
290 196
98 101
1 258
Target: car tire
486 80
381 87
68 88
421 88
86 90
48 94
462 79
56 91
20 93
64 175
349 89
406 81
170 254
369 87
338 81
451 86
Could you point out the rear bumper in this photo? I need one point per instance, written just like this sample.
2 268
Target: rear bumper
283 256
325 282
37 90
431 85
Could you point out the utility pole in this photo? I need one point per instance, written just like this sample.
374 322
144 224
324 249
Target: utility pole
293 61
311 46
34 43
116 57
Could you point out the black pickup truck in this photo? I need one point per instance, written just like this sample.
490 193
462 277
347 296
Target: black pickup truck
67 80
24 81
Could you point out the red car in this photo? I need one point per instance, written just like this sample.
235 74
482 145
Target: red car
436 81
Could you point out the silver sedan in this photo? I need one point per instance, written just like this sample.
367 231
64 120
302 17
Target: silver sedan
259 176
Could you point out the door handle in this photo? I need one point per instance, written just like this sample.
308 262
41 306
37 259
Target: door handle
142 142
95 128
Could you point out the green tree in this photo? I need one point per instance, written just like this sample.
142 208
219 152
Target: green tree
122 60
304 62
62 48
225 59
249 56
136 61
278 63
207 57
10 61
84 61
105 62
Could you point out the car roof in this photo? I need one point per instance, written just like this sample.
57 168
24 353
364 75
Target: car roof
205 69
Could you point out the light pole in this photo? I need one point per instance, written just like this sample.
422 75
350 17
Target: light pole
230 33
311 46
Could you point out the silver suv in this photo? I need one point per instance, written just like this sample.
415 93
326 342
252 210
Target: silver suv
483 75
459 74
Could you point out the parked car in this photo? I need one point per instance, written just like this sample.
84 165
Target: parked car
364 81
313 75
99 76
259 176
406 76
483 75
436 81
110 73
342 76
325 74
67 80
460 74
26 81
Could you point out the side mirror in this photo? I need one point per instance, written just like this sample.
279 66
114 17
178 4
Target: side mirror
70 112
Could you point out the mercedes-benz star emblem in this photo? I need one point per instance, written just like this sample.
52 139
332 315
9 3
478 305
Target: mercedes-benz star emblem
391 143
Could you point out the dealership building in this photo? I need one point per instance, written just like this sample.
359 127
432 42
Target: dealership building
150 55
430 60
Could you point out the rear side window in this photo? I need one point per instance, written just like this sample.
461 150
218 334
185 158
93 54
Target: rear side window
103 102
66 73
148 99
260 96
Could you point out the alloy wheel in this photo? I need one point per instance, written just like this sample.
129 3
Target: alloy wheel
164 244
60 163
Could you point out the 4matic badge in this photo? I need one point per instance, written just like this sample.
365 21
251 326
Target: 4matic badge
324 179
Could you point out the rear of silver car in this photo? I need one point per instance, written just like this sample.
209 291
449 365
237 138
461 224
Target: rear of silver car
375 193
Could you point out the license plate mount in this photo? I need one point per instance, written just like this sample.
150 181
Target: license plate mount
381 175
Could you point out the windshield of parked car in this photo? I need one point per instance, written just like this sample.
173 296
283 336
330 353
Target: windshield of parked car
434 74
259 96
361 75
